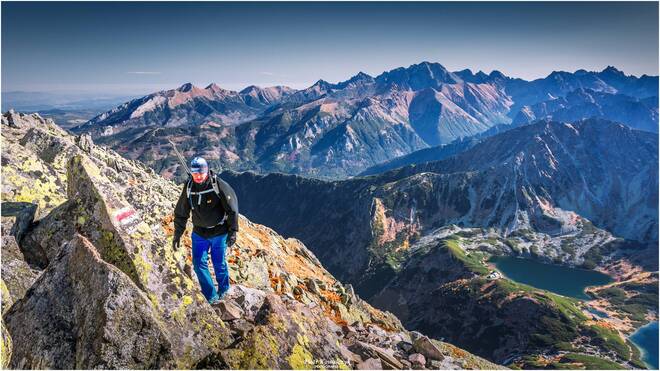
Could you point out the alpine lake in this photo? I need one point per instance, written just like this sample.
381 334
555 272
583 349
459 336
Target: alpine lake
572 282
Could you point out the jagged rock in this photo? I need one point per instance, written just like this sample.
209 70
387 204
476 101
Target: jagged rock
287 334
414 335
425 346
17 217
389 362
17 276
85 142
370 364
347 354
417 360
13 119
249 300
6 346
6 300
312 286
85 313
229 311
405 346
241 327
348 331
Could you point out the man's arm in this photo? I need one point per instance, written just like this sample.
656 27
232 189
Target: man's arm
229 203
181 213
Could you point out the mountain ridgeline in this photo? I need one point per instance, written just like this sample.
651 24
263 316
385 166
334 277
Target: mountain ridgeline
337 130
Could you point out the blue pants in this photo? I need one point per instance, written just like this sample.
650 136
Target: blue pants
200 251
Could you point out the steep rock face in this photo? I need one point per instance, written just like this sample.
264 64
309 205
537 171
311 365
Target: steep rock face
38 148
594 168
284 309
585 103
421 156
560 180
85 313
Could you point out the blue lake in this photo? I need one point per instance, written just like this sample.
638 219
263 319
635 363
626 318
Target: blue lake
646 339
555 278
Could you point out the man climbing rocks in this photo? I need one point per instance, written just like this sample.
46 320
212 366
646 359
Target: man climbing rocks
215 220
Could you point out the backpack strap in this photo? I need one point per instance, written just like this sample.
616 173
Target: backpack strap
214 184
188 189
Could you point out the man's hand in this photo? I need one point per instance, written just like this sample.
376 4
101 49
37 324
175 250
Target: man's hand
176 242
231 238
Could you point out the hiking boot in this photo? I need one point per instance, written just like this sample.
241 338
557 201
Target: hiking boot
215 300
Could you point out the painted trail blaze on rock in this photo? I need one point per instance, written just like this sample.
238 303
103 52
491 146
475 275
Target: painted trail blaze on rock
127 218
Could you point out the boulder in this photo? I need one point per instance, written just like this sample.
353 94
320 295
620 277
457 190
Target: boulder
85 142
17 276
17 217
241 327
229 311
370 364
247 298
287 335
425 346
85 313
417 360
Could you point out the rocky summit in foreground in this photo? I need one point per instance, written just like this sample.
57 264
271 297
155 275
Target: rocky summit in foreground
89 279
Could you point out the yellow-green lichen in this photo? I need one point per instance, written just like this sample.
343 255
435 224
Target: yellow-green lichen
341 365
5 347
300 358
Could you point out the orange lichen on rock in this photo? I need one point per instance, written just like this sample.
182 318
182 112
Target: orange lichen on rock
168 224
333 313
459 353
331 296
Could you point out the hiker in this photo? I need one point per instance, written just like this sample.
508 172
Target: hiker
215 224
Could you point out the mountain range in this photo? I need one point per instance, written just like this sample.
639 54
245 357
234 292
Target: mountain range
337 130
581 194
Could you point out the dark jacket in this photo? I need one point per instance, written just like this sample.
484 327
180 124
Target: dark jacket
207 212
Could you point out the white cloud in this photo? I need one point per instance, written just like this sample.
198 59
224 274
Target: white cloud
267 73
143 72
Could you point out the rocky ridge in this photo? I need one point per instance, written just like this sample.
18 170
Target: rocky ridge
100 286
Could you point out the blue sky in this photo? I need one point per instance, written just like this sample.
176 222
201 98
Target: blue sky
142 47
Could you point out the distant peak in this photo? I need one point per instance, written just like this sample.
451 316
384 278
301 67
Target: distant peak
612 69
361 76
497 75
250 89
186 87
213 86
321 83
430 65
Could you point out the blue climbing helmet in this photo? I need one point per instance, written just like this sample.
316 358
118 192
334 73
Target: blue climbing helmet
199 165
